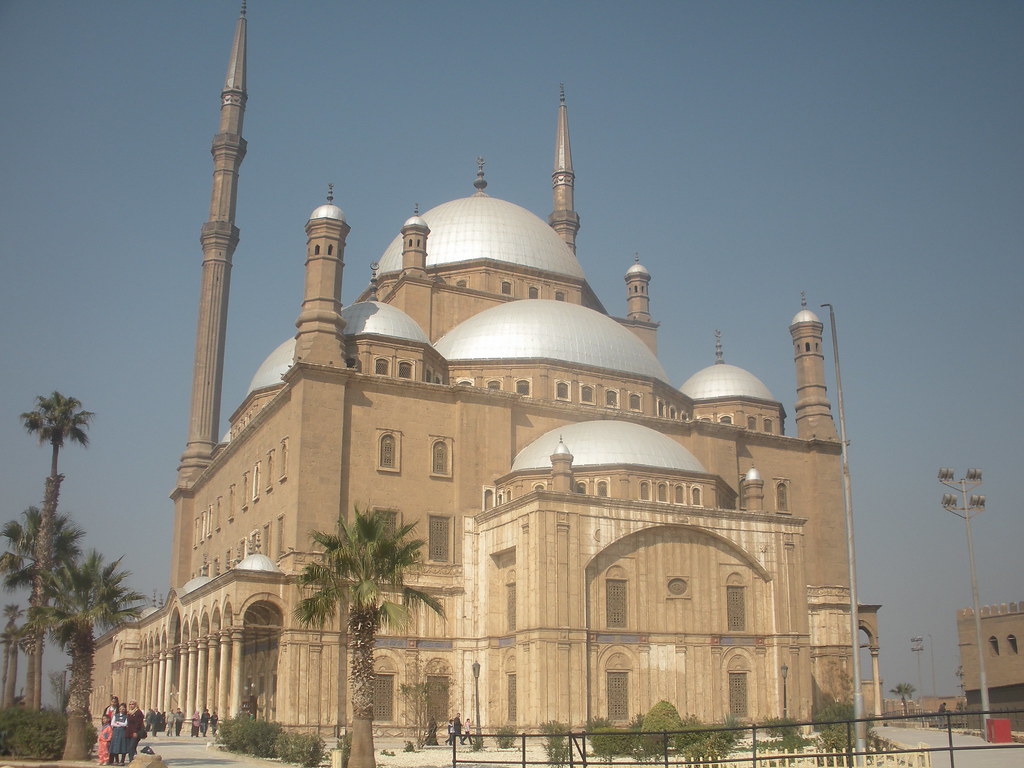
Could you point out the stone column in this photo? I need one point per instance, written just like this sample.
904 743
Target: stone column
236 661
161 681
190 684
201 670
876 682
182 652
224 678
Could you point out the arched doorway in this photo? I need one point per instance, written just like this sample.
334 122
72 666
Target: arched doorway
261 638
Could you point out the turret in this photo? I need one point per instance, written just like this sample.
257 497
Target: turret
219 237
320 337
563 219
414 245
813 411
752 491
638 300
561 468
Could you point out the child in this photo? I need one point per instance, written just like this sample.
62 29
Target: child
103 742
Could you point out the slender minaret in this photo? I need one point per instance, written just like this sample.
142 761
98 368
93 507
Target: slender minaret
638 299
414 245
320 337
813 410
563 219
219 237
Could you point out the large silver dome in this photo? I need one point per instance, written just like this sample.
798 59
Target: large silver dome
484 227
724 380
360 318
553 330
593 443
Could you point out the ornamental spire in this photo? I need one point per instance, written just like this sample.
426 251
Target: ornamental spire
719 359
563 218
481 182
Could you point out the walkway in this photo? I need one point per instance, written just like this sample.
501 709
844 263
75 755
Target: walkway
1010 757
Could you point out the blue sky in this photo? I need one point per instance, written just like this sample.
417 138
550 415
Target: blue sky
869 154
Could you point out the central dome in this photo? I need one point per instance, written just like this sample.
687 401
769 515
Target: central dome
484 227
552 330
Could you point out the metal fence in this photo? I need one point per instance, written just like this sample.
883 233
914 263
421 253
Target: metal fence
754 746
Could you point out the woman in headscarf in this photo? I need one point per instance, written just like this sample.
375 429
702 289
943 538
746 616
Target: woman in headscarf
136 728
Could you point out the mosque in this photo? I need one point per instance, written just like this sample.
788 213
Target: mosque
600 537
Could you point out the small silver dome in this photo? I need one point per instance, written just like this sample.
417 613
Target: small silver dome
724 380
608 442
752 475
149 610
552 330
805 316
257 562
360 318
193 584
484 227
638 269
328 211
415 221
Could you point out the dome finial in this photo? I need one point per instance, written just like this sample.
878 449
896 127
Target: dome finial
374 266
330 193
480 183
416 209
243 7
718 347
803 299
636 257
561 93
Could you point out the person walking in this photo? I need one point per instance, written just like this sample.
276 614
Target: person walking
467 729
451 733
195 724
204 721
213 722
178 718
457 728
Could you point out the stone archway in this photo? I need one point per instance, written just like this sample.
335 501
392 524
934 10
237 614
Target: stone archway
262 623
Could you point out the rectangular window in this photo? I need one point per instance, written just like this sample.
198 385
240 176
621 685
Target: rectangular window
279 540
284 458
512 709
615 603
736 609
270 470
231 502
438 546
383 697
618 696
437 698
256 482
511 607
738 694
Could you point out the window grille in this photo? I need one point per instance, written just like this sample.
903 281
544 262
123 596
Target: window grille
587 394
618 696
437 698
634 402
405 370
381 366
522 387
439 538
615 603
738 694
736 609
440 458
611 398
387 451
562 390
512 709
511 607
383 697
782 497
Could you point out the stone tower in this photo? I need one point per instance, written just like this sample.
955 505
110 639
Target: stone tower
563 219
813 411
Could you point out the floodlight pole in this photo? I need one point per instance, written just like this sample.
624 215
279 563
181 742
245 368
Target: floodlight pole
860 739
976 505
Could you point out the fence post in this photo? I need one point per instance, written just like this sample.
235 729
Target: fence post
524 748
753 743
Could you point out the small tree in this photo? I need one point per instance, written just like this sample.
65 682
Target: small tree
905 691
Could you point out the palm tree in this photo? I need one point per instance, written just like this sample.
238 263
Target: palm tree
11 636
83 598
56 418
364 565
904 691
19 566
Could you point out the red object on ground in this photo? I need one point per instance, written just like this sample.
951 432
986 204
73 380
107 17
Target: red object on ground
997 730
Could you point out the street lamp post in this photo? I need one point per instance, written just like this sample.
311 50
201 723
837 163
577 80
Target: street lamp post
916 648
966 509
476 695
785 702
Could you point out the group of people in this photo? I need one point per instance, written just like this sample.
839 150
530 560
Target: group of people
123 726
459 729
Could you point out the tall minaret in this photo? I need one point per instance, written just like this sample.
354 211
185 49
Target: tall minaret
813 411
638 299
563 219
219 237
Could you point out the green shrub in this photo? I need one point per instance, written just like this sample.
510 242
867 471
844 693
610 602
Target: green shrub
305 749
556 745
609 741
250 737
506 737
662 717
345 745
785 733
409 747
28 733
837 737
700 740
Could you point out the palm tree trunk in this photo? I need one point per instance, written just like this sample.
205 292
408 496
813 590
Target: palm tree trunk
44 564
7 669
12 678
81 650
362 625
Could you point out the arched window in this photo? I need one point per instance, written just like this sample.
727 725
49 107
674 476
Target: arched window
316 250
586 394
381 366
1011 640
672 412
522 387
494 384
768 427
994 645
506 288
559 296
405 370
387 451
440 458
539 487
581 487
725 420
661 407
680 494
662 492
695 497
465 382
645 491
611 398
751 422
460 284
602 488
534 293
330 250
782 497
562 390
634 402
488 498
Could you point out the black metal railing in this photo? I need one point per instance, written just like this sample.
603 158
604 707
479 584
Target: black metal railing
754 745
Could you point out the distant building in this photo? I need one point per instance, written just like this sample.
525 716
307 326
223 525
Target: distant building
1002 632
600 537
